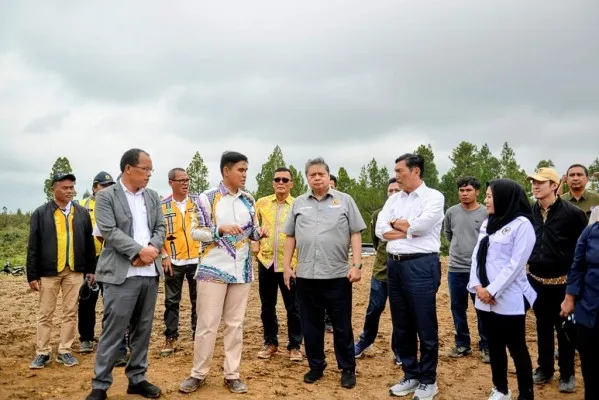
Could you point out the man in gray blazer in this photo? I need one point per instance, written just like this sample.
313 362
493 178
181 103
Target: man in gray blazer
130 218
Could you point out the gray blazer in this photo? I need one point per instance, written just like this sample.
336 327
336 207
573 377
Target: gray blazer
114 220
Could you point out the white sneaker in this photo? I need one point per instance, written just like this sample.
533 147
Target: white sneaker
404 387
497 395
426 391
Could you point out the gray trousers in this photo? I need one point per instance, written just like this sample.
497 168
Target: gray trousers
131 303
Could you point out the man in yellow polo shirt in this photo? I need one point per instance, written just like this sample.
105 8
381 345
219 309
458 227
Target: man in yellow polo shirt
60 250
272 213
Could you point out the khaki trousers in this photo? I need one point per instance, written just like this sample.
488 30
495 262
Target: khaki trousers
70 283
216 301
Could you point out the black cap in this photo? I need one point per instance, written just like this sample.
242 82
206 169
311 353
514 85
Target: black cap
61 176
103 178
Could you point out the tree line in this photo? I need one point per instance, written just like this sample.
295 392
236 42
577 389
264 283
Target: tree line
369 188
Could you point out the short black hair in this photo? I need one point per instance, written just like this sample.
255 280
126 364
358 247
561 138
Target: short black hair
173 173
412 160
586 170
230 158
131 157
333 178
284 169
469 180
391 181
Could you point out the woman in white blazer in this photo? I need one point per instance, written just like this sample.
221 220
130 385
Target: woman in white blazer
498 277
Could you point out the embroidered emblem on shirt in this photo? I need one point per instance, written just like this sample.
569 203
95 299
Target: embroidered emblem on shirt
336 202
506 230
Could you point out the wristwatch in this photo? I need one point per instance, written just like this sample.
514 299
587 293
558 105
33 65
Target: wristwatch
359 266
165 256
394 220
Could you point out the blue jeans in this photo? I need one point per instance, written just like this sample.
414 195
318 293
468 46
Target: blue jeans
413 286
458 293
376 306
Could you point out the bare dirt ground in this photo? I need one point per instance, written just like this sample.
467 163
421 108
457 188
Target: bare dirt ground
466 378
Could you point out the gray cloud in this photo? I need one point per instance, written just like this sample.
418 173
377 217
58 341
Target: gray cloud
347 80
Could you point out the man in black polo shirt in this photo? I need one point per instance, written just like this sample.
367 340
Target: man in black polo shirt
558 224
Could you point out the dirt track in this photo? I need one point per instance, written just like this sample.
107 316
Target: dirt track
458 379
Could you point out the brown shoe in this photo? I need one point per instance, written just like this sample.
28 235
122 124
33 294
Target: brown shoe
267 351
295 355
170 346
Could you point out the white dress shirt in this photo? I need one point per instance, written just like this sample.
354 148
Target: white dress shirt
423 208
509 250
141 229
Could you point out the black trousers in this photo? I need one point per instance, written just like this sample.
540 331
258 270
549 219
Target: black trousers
335 296
86 312
173 287
509 331
588 348
547 309
269 283
413 286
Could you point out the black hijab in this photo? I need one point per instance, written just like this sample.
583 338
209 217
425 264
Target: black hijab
510 202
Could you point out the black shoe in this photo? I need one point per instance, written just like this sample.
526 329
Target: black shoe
97 394
313 375
348 379
144 388
540 377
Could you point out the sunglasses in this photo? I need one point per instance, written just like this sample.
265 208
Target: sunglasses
279 180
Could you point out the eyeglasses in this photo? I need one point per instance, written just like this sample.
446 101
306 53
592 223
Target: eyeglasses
147 170
284 180
181 180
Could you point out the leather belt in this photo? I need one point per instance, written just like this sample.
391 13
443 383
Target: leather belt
560 280
406 257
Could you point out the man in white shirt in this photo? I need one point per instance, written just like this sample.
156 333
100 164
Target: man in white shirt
411 222
179 255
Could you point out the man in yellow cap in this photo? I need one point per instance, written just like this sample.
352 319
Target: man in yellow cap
558 224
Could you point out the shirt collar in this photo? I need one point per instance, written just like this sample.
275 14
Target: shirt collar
225 191
330 192
67 208
418 191
140 191
288 200
550 205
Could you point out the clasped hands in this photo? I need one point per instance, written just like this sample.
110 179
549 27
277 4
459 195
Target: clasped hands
146 256
484 296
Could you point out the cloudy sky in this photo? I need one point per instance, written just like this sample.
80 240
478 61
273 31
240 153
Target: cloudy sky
347 80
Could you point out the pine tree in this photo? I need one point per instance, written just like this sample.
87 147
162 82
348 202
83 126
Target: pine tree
61 165
344 182
299 185
594 180
431 174
264 178
198 174
544 164
510 168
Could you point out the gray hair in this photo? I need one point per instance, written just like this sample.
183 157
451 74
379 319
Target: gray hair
317 161
172 174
